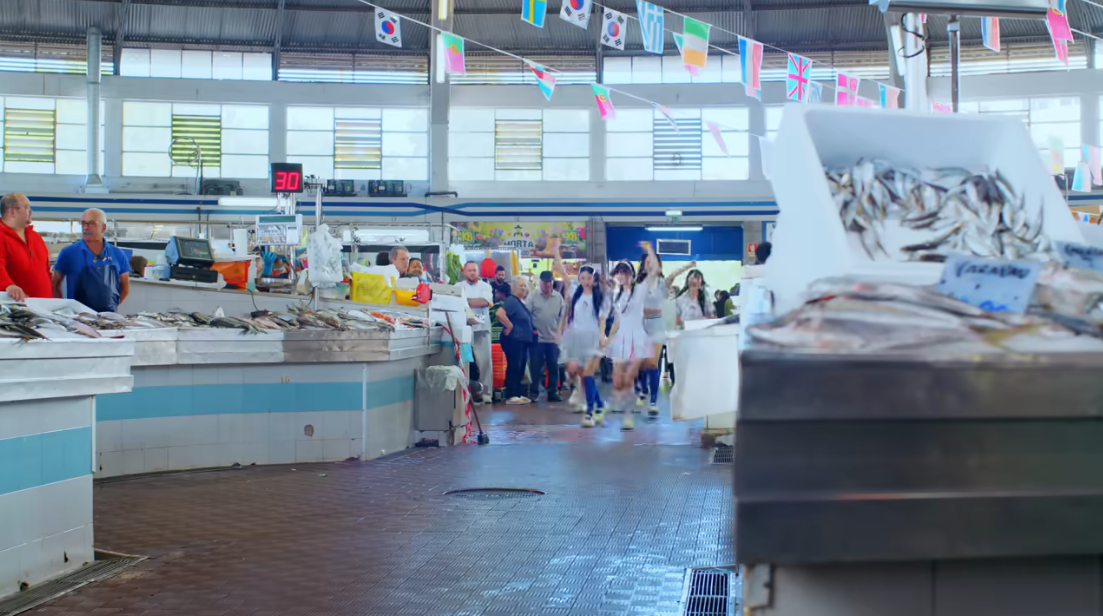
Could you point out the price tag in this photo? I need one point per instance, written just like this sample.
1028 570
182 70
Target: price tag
1079 255
996 286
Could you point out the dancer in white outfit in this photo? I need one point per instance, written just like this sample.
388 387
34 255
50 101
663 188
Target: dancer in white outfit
630 344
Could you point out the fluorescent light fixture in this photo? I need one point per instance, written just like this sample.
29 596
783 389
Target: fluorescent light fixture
265 202
674 212
654 229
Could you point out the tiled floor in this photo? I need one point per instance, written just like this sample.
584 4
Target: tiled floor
623 516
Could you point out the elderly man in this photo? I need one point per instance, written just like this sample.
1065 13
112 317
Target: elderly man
400 259
95 273
547 311
24 260
479 297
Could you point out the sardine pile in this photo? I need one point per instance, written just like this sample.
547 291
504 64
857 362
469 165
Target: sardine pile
926 215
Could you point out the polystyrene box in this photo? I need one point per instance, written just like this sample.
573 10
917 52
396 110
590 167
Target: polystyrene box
810 242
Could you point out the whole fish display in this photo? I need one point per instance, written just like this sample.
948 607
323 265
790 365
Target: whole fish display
925 215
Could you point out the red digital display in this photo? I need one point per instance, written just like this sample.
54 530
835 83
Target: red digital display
287 178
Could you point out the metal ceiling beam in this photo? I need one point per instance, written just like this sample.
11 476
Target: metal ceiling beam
120 34
281 10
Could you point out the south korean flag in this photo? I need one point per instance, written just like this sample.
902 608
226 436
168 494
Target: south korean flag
613 29
388 28
577 12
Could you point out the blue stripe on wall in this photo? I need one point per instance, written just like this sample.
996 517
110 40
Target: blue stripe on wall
39 459
185 400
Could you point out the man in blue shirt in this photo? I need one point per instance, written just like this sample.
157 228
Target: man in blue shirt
96 273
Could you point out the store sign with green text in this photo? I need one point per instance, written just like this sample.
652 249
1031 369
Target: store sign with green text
529 239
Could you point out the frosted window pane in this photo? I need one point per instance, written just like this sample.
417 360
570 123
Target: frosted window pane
135 63
147 114
471 169
1068 132
310 118
566 120
184 171
647 70
15 102
71 137
358 174
146 139
405 144
357 113
1003 106
415 120
227 65
244 116
731 71
256 66
674 70
165 63
618 70
17 167
567 145
1054 109
405 168
624 169
194 109
713 71
566 169
628 144
72 111
470 119
631 120
244 141
238 166
71 162
677 174
773 117
196 64
470 145
725 169
310 142
730 117
520 175
147 165
518 114
321 166
678 113
737 144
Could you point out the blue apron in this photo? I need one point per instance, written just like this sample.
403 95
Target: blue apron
98 283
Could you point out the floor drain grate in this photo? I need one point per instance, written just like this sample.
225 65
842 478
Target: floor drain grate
47 591
709 592
494 493
722 454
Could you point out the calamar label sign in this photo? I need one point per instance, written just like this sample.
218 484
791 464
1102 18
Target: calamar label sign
1079 255
989 284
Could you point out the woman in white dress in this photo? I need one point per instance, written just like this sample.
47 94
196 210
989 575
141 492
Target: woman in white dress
630 343
693 302
583 339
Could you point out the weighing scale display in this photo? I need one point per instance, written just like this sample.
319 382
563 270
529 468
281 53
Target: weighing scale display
287 177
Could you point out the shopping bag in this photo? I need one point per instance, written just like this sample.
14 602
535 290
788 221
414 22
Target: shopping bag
370 288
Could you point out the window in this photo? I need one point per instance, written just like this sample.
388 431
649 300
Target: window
1045 118
551 145
45 135
196 64
359 143
641 145
725 68
773 120
354 68
501 70
1014 57
168 139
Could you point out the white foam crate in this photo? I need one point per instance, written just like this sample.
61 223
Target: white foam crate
810 242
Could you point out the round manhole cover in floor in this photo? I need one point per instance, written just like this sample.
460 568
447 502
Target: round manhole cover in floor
494 493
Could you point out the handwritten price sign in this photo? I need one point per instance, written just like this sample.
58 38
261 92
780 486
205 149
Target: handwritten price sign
996 286
1079 255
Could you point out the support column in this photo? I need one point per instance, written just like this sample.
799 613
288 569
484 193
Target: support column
113 138
757 118
92 151
915 66
597 146
277 132
438 104
1089 106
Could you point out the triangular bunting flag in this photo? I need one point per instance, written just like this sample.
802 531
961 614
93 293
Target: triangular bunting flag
862 101
388 28
544 79
990 32
1092 157
534 11
1081 182
1056 156
576 12
695 42
796 83
714 128
815 92
612 29
846 90
453 54
604 103
1061 50
679 42
890 96
938 107
1058 22
651 25
750 61
663 109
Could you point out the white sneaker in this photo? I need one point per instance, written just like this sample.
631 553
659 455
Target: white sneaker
575 399
653 411
641 399
626 423
517 400
588 421
487 399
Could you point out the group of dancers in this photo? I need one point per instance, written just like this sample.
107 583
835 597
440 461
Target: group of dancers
635 339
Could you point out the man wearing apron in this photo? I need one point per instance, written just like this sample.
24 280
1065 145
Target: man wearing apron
96 273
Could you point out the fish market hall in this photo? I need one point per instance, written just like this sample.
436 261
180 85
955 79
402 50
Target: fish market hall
394 308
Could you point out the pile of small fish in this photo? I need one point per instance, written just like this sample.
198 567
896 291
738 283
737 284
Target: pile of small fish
926 215
23 323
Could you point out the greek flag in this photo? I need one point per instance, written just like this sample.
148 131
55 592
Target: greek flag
651 25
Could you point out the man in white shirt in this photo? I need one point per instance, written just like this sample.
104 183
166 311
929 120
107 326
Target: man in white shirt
479 297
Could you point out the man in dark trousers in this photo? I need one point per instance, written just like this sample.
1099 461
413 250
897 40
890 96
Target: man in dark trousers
547 309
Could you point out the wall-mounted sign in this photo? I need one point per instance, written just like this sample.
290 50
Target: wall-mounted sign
529 239
751 248
279 230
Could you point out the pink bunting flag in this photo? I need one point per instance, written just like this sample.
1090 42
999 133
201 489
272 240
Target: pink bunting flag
938 107
714 128
1061 50
890 96
1092 157
1081 181
990 32
864 102
1058 23
665 111
604 103
846 90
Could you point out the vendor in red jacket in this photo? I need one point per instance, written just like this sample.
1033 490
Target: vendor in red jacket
24 267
